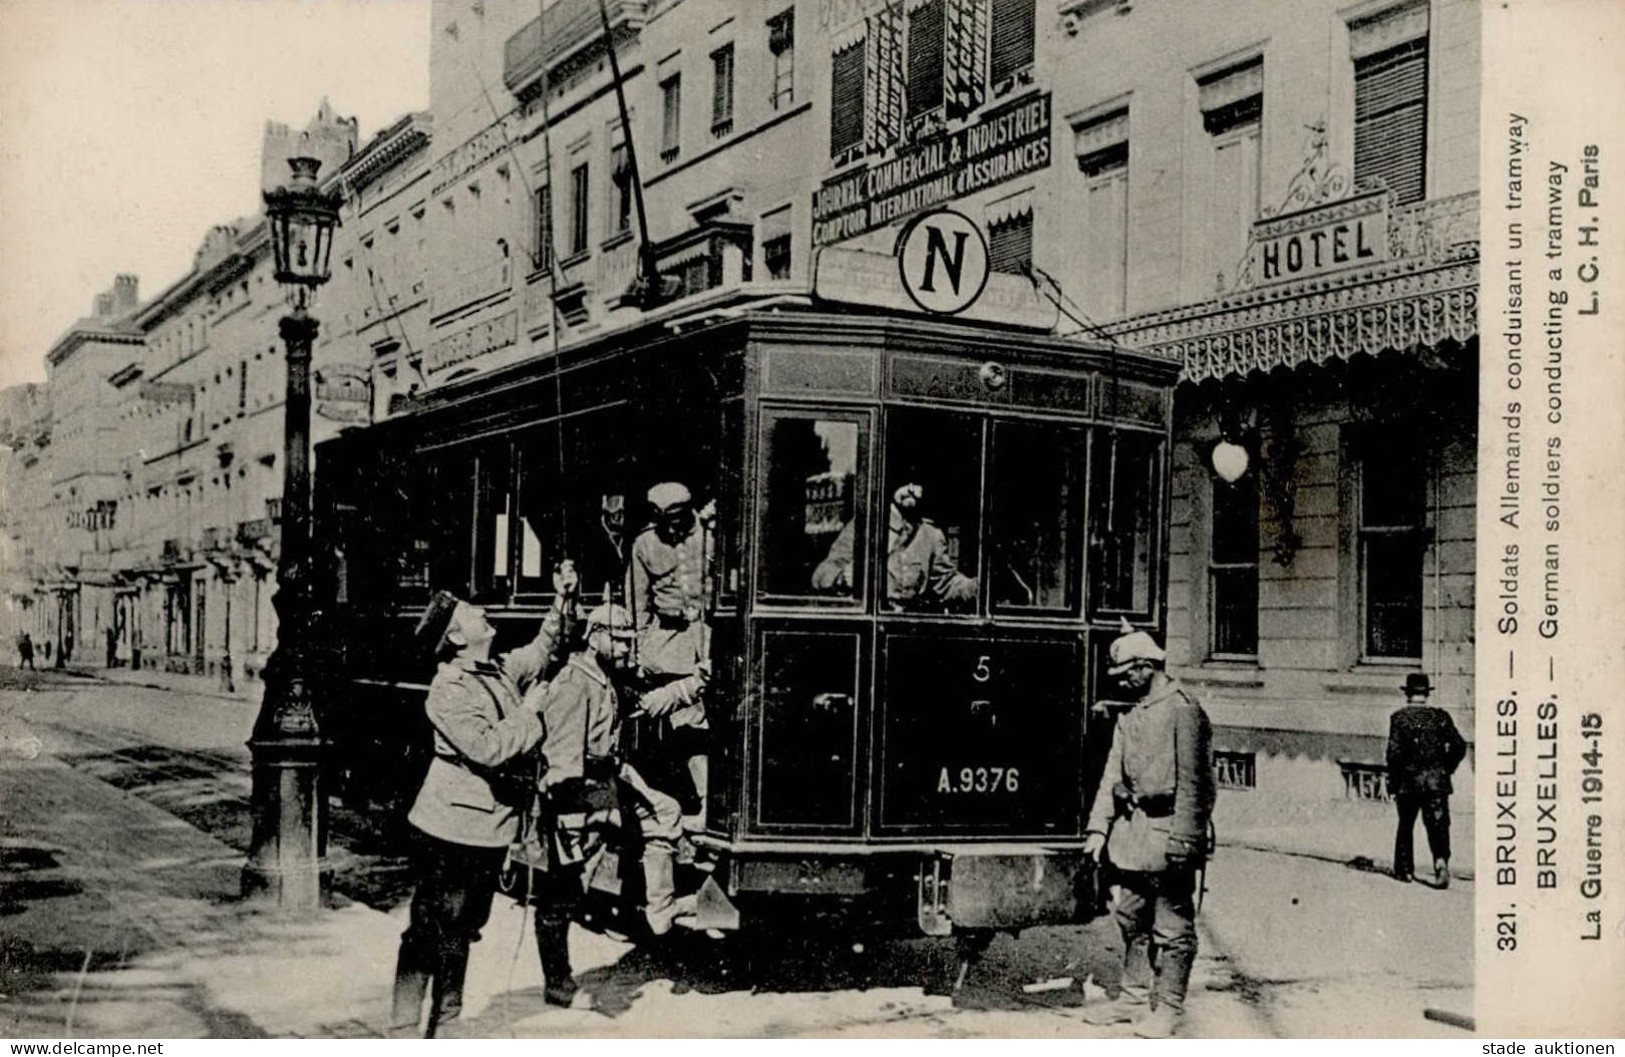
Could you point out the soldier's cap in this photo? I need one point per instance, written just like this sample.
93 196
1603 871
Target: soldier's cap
908 496
1418 683
668 494
611 618
430 633
1131 647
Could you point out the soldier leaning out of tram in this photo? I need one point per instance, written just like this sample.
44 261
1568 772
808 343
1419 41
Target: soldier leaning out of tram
588 785
467 812
1150 817
668 578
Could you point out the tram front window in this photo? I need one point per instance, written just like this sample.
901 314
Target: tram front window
933 491
812 533
1125 503
1036 479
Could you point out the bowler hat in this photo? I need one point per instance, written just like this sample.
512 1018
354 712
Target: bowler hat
435 622
1418 683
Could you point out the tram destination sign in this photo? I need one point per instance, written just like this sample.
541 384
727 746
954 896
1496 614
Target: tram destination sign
1008 142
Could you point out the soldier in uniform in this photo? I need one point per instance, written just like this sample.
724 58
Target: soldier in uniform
1424 750
587 783
668 589
1150 816
920 571
467 812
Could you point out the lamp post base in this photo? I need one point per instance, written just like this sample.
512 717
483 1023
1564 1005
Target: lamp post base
288 859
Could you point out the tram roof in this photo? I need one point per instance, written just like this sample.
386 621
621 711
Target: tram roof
790 311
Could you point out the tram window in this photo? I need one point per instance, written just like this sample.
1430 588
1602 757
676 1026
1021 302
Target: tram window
1036 479
536 521
601 501
432 498
1124 507
812 505
493 522
933 492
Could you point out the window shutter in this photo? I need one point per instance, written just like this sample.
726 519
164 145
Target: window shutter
1010 245
846 98
1013 33
722 85
1390 119
925 52
544 227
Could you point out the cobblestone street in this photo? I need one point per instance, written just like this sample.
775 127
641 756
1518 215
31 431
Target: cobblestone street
124 827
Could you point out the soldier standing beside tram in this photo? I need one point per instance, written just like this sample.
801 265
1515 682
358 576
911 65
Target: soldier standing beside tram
467 812
588 787
1153 826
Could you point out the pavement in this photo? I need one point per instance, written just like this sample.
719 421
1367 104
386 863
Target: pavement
123 823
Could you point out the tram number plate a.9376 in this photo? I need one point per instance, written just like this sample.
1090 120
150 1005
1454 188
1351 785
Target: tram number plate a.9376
987 781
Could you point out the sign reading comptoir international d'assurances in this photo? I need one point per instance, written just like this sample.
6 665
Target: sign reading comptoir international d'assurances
1010 141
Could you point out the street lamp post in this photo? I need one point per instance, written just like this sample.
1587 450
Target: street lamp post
289 810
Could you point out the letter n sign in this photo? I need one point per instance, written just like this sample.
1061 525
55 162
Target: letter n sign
942 258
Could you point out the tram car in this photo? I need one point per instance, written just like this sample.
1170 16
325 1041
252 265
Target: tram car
904 736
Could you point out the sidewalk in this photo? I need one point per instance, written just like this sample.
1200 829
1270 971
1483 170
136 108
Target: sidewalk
1348 832
175 682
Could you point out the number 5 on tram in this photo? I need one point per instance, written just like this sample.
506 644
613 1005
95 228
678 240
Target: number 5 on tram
927 533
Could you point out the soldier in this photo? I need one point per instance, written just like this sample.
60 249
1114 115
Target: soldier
919 569
669 576
1424 750
920 573
467 812
1153 826
586 781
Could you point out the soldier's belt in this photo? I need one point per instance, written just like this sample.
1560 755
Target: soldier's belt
1160 806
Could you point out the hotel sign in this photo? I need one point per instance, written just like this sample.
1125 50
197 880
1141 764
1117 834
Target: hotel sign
1343 234
1006 143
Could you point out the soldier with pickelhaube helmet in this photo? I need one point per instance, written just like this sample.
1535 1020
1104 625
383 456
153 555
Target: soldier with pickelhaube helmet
1153 828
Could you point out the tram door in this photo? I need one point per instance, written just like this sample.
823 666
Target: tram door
979 718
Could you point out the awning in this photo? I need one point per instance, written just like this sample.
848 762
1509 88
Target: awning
1424 293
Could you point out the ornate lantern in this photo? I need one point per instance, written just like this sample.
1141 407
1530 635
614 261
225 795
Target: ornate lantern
302 218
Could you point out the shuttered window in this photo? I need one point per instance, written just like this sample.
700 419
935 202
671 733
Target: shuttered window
1101 147
722 90
925 38
846 99
578 209
1013 34
1232 103
671 109
1010 245
1390 119
544 228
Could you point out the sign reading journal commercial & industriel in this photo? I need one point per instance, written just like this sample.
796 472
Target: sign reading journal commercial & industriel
1008 142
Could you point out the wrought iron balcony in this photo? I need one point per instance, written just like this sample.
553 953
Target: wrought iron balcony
572 27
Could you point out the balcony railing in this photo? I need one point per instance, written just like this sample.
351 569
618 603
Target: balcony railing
571 26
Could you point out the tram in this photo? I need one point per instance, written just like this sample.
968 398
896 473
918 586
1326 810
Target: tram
892 747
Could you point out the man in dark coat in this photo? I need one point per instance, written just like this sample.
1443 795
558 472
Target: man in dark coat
1424 749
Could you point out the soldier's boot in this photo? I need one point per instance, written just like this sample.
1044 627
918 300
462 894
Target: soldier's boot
699 773
1173 979
1135 998
661 907
1441 873
553 948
